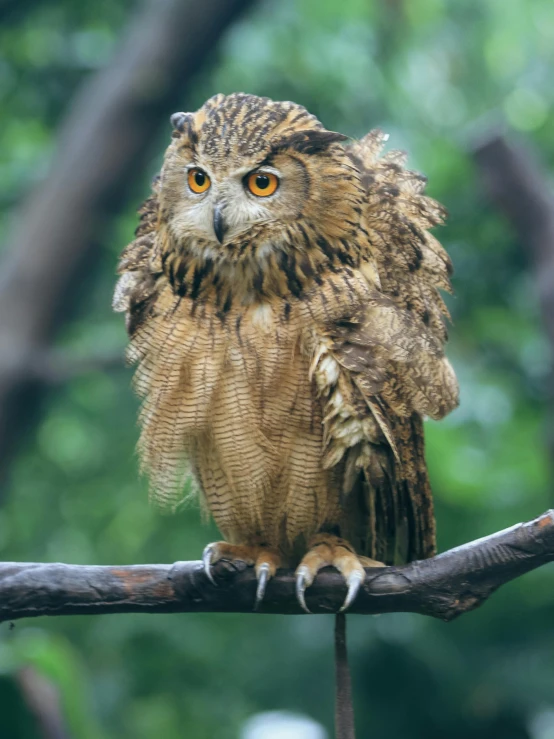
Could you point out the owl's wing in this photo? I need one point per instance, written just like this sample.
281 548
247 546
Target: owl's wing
387 502
138 294
135 290
393 371
412 265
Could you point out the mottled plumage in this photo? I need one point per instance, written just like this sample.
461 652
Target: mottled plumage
290 366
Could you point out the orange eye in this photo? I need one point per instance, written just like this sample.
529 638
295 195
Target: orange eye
262 184
198 180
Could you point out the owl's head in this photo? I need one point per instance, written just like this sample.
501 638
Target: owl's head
246 177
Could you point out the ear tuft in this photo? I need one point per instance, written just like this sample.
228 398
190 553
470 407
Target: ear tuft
179 121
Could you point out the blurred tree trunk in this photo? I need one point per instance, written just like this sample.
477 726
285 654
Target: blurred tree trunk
43 701
103 144
516 184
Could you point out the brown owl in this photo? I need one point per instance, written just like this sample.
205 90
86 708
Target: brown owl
282 299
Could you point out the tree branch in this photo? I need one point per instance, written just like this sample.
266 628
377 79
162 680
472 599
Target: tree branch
444 587
516 184
56 367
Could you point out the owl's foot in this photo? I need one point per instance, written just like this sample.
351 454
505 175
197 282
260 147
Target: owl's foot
328 550
265 561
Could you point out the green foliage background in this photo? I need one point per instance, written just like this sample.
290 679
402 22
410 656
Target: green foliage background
430 73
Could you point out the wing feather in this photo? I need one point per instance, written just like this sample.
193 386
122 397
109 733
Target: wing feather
136 288
391 354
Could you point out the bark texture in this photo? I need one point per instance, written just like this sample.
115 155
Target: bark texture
444 587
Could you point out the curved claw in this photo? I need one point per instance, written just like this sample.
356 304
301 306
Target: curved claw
301 573
207 561
263 577
354 581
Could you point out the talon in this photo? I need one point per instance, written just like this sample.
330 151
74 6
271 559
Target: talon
263 577
207 560
301 587
354 581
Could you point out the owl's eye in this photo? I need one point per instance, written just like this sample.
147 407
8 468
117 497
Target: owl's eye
262 184
198 180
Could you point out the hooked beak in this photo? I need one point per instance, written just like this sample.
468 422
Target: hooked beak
220 227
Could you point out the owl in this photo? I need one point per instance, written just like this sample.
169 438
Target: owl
283 304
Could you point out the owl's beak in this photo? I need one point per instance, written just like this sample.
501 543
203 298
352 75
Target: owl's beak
220 227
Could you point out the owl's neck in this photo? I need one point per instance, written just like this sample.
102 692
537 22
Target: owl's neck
262 274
